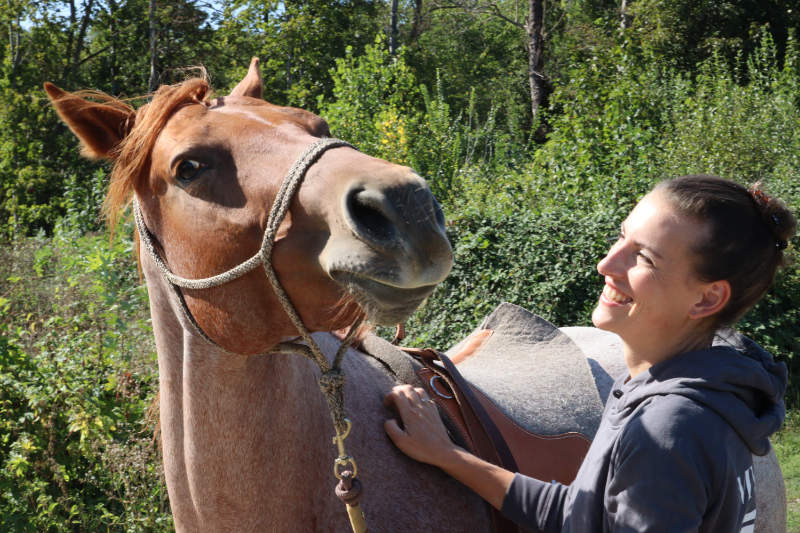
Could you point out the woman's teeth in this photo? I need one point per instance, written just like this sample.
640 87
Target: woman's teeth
614 296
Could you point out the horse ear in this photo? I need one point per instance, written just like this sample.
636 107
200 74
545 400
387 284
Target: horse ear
251 83
99 126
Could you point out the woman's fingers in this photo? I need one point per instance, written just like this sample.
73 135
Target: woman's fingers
419 433
394 431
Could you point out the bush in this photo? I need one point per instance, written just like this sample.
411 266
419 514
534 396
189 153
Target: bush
380 108
78 376
542 260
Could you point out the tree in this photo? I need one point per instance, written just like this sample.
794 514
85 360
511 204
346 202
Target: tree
531 23
298 42
152 84
685 32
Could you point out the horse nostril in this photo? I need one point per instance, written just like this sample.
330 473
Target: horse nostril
367 213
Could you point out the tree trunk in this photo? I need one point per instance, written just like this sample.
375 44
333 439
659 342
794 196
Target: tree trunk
624 20
79 42
112 16
393 29
534 28
416 25
70 43
14 49
152 84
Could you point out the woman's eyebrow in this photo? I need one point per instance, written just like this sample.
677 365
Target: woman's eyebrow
640 244
650 249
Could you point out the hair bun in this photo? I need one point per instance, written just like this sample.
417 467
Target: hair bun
777 217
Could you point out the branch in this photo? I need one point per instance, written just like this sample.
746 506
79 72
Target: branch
95 54
495 10
490 9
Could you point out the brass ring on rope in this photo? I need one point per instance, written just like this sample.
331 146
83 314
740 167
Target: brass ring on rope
343 461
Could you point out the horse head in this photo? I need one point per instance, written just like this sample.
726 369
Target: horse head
362 235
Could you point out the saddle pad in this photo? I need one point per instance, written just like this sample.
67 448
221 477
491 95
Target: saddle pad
603 351
534 373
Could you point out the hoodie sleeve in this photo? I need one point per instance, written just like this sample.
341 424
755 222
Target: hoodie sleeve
659 478
534 504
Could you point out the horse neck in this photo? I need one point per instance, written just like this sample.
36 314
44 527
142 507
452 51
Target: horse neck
228 422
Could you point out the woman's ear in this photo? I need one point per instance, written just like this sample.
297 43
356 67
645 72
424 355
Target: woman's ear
714 298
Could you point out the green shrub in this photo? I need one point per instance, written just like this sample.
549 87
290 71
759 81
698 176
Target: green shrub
375 100
77 378
379 107
542 260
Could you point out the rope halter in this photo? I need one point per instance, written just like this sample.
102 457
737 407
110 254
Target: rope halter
331 381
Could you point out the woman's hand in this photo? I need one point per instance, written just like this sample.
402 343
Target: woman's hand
422 435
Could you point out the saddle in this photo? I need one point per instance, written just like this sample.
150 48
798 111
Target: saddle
499 403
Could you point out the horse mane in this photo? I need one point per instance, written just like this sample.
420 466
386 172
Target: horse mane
132 155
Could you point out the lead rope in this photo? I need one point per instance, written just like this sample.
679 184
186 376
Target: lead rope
331 381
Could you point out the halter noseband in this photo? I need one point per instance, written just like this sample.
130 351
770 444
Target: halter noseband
280 206
331 381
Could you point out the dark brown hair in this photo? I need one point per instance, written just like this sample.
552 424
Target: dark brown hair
746 234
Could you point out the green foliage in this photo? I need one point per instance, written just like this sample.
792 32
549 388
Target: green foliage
36 174
77 378
541 259
380 108
686 32
480 60
375 99
298 42
787 447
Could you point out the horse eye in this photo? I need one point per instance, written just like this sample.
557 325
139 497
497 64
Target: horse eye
188 170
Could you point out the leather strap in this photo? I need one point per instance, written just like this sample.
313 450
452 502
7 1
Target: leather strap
506 459
479 429
398 363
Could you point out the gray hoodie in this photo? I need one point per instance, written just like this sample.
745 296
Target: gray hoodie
673 450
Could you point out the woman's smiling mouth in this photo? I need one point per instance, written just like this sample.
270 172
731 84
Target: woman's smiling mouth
612 296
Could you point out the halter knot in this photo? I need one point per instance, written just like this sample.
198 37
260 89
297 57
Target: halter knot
349 488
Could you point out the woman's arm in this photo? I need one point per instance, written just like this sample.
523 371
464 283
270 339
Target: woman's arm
423 437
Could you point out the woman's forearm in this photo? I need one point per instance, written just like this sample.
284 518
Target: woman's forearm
422 436
489 481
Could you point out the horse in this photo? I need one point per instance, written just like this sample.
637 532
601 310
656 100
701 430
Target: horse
245 432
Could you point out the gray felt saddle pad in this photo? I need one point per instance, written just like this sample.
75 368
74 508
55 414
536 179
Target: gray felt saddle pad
535 373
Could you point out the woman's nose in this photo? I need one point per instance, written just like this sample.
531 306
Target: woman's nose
611 264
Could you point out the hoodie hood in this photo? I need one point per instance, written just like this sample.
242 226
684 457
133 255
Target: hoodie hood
735 378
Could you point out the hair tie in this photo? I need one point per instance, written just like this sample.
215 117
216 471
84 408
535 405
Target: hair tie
759 197
781 245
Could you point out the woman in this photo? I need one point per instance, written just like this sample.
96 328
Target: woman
673 450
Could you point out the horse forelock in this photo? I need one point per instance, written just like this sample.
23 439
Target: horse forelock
132 155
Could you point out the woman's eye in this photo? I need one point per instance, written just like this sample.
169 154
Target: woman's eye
189 169
645 258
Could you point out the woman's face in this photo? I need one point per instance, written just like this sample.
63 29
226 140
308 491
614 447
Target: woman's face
650 287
